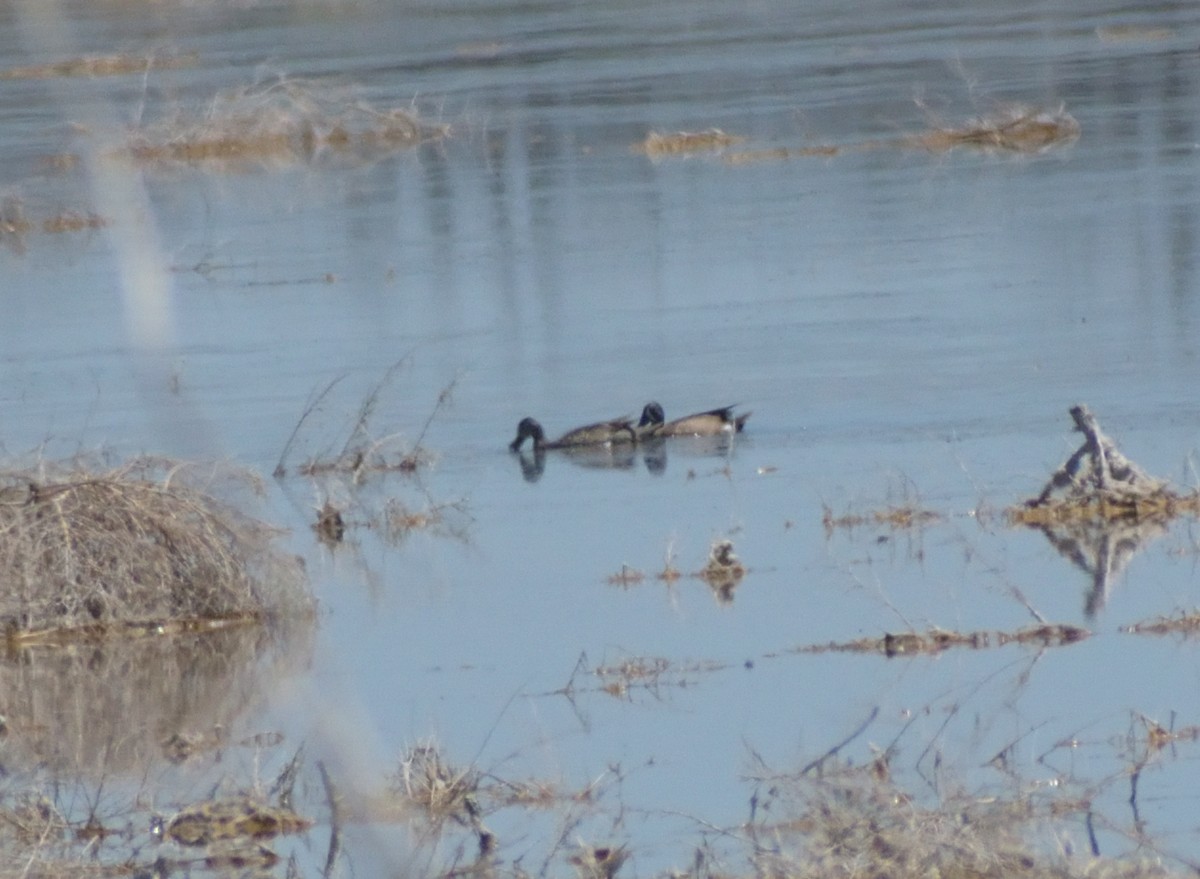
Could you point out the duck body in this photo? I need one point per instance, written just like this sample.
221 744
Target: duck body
616 430
714 422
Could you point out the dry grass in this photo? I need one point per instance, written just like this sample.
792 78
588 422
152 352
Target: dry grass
362 452
285 123
855 824
436 787
1160 506
680 143
140 548
937 640
1010 128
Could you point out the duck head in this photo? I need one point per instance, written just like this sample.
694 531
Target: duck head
652 414
528 428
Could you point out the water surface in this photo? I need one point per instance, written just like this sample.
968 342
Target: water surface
907 326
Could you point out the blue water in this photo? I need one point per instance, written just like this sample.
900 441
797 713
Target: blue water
907 327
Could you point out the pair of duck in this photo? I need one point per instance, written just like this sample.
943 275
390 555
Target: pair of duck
652 425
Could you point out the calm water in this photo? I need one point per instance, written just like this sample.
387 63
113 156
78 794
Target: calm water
906 326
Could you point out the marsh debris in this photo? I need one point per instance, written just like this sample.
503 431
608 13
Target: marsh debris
1183 622
438 788
626 577
937 640
362 452
850 822
330 526
1096 482
139 549
903 517
679 143
236 819
1010 128
724 570
286 122
1099 509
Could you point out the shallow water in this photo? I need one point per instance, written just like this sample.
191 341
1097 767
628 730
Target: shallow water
907 326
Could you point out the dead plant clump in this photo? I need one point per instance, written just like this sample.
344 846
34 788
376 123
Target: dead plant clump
1014 128
138 549
856 824
1098 484
937 640
428 781
679 143
15 223
1011 128
288 122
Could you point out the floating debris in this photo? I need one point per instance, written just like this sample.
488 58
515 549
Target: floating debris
724 570
1183 623
1014 128
904 517
236 819
330 526
626 577
1099 509
683 142
284 123
1097 481
936 640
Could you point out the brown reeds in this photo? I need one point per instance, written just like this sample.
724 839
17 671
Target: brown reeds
440 790
284 123
138 549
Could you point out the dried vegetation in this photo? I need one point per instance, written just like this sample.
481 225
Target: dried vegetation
684 142
138 549
1017 129
347 471
937 640
288 122
722 572
16 223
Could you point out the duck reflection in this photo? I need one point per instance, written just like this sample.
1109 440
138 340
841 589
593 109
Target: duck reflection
650 453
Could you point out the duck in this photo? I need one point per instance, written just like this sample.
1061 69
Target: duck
616 430
711 423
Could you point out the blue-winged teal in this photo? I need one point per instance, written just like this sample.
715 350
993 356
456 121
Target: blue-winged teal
617 430
710 423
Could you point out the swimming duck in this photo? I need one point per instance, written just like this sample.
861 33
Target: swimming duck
710 423
617 430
